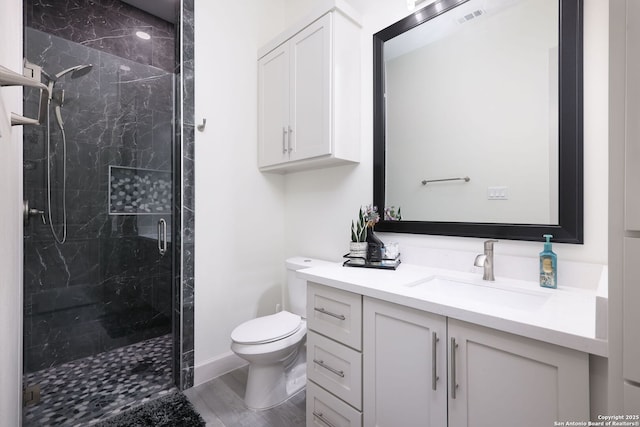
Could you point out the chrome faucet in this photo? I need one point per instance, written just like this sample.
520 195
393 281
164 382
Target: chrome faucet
486 260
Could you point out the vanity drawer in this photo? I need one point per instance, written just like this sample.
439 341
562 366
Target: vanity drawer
335 313
324 409
335 367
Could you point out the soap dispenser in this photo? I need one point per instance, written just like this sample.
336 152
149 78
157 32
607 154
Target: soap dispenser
548 265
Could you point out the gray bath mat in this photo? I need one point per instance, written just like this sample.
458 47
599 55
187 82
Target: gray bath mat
173 410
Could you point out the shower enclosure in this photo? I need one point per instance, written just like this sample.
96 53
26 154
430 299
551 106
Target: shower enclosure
106 285
102 177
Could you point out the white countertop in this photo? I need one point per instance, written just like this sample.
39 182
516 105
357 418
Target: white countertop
565 316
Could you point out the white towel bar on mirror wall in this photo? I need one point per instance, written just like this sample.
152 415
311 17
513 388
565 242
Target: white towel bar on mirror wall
427 181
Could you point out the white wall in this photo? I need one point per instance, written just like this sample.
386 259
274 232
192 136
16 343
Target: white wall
320 204
10 221
239 252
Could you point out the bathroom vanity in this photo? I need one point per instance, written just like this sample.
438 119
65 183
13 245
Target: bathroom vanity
425 346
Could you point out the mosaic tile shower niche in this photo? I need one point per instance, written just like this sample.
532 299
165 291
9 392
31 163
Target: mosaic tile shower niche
135 191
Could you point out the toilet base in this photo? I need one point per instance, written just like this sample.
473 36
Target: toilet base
271 385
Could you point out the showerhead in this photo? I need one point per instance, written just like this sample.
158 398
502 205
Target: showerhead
77 71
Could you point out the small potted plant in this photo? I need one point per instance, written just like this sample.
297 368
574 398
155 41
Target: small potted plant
392 214
358 245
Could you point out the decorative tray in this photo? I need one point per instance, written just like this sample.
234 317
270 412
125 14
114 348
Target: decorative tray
385 263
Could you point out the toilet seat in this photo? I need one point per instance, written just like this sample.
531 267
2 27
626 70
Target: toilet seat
267 329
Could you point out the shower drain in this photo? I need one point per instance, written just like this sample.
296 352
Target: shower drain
100 402
142 366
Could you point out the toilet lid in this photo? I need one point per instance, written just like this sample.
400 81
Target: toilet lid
267 328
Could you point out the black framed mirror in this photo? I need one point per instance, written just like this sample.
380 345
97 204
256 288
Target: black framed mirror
401 119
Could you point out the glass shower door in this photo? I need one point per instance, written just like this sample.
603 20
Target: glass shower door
98 304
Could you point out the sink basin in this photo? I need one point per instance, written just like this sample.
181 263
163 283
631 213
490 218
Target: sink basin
478 293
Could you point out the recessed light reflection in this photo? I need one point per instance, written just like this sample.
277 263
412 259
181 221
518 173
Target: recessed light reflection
143 35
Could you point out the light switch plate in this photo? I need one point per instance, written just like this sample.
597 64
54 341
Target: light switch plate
497 193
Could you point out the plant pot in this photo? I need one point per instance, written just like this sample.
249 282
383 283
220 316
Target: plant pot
358 250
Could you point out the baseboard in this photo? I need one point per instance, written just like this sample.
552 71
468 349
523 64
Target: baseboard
217 366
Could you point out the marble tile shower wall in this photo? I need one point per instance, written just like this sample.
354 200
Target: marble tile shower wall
106 286
106 25
185 212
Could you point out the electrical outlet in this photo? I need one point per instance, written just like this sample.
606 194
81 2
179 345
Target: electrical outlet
497 193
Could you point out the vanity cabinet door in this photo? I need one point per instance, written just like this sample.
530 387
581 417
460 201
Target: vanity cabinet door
497 378
404 366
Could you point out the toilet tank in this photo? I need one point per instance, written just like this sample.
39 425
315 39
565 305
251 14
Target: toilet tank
296 287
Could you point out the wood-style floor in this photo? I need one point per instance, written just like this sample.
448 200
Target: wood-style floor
220 402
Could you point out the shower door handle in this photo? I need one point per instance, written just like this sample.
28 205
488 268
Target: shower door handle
162 236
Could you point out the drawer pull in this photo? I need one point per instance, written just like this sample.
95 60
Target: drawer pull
328 368
321 417
328 313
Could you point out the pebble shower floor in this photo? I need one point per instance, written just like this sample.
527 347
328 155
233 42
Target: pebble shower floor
86 391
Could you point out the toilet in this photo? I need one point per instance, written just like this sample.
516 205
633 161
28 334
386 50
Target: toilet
274 345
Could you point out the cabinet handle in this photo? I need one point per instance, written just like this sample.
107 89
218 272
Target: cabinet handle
328 368
328 313
321 417
289 139
454 383
434 353
284 140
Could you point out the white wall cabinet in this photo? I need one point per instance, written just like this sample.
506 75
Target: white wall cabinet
624 207
308 96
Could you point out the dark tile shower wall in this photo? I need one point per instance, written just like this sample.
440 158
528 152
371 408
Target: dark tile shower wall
106 25
107 286
185 212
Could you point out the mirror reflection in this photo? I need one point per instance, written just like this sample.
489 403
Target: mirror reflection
477 120
473 93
